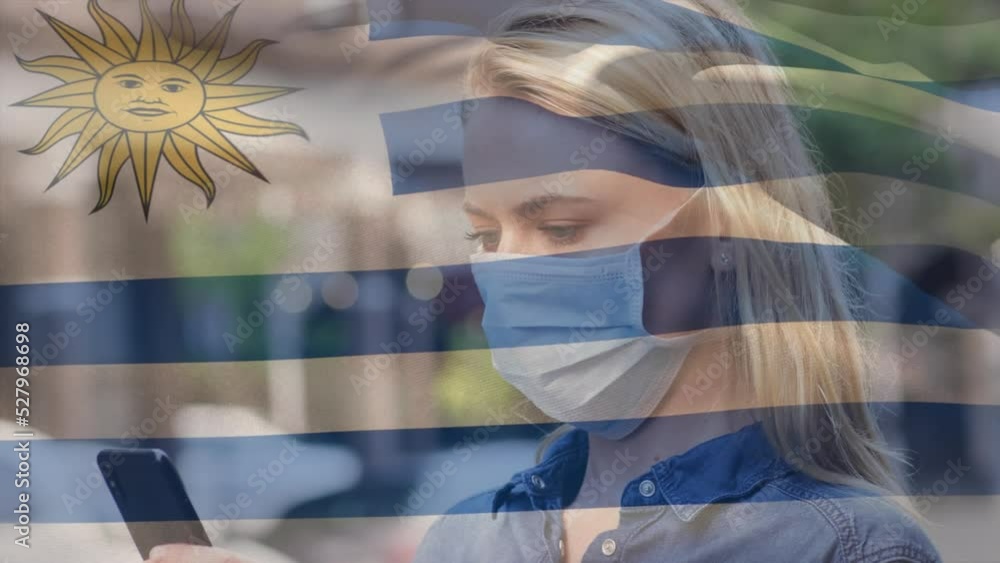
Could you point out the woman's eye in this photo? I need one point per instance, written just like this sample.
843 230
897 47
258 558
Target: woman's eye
130 84
488 240
562 234
173 88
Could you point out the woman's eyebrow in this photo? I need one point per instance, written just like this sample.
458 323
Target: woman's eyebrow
530 207
536 205
471 209
177 80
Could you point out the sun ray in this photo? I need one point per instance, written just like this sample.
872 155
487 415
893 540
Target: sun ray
99 57
73 95
183 157
114 154
233 68
116 36
145 150
204 56
223 96
150 96
97 132
153 44
236 121
181 36
71 122
66 69
201 132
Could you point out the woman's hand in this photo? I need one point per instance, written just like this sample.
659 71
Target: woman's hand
184 553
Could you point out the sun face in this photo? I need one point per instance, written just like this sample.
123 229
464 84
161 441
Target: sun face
161 95
156 96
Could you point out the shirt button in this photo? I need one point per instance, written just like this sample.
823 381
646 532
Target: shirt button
538 482
562 548
609 547
647 488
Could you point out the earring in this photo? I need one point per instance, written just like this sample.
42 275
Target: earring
723 259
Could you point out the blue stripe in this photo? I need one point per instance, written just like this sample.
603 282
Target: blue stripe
426 152
983 94
67 488
243 318
426 148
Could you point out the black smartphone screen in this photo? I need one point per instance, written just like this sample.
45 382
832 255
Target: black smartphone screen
151 498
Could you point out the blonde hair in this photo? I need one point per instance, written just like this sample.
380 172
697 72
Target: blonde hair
566 59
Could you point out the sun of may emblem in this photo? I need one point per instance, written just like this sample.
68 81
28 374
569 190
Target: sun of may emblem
161 95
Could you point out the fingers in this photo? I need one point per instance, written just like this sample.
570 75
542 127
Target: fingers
184 553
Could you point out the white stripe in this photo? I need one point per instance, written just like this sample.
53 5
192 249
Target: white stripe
121 402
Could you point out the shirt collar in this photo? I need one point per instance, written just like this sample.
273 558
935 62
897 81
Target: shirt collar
727 467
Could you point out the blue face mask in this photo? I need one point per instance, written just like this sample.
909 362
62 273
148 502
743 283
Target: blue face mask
568 333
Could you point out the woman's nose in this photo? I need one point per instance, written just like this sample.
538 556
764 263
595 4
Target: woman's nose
511 243
516 241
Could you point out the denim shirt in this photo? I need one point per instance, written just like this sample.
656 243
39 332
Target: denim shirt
728 499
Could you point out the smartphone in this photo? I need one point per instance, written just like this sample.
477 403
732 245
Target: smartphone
151 498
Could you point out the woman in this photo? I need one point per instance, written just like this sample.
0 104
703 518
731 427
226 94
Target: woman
693 212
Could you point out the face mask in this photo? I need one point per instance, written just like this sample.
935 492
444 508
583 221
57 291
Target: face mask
568 333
